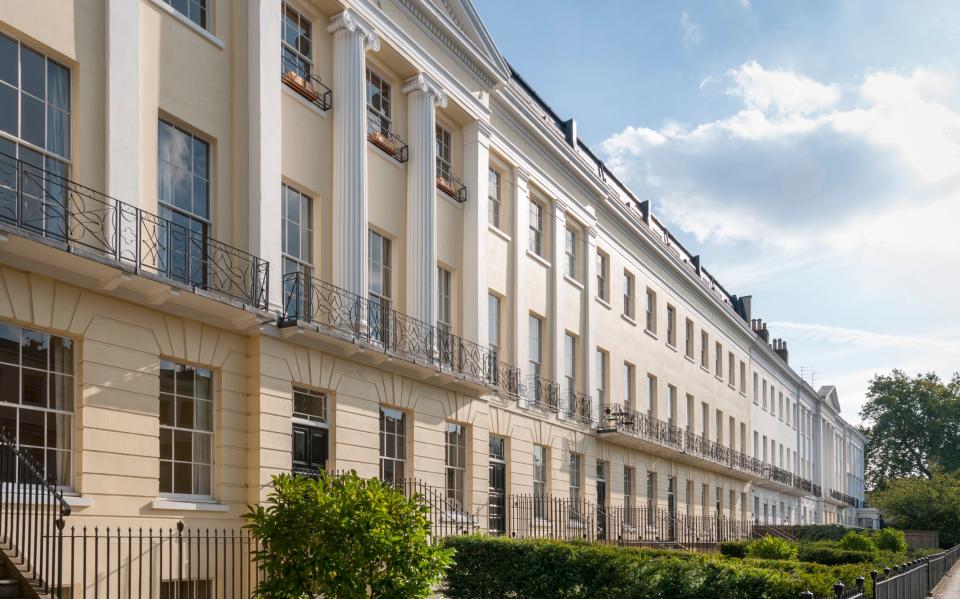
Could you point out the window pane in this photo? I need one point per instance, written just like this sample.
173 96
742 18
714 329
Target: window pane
8 60
32 72
9 344
34 388
58 86
9 109
32 125
61 392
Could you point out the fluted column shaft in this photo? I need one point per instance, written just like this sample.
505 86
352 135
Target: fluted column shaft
351 38
423 97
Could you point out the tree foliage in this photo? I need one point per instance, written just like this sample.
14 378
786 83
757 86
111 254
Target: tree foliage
344 537
913 425
919 503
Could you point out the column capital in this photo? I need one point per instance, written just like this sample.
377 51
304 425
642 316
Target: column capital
353 23
479 130
421 82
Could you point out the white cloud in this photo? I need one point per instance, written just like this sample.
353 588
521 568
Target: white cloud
692 33
866 339
785 91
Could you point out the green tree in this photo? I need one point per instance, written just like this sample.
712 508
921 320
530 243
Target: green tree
344 537
913 424
919 503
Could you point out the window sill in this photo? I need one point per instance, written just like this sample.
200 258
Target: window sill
704 368
538 258
689 359
78 501
628 319
190 24
303 101
719 377
498 232
603 302
651 334
671 347
732 386
188 505
27 496
573 282
392 160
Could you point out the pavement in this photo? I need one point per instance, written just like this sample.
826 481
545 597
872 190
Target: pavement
949 587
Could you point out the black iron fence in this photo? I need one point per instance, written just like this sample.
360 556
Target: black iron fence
32 513
542 393
837 495
46 205
448 183
579 406
301 80
377 324
380 135
639 424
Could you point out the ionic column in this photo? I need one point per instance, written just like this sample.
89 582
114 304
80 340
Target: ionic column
476 166
352 37
424 95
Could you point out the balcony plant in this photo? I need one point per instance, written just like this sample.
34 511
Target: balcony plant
301 84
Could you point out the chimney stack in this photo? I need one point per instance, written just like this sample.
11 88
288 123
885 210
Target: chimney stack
570 131
760 328
780 346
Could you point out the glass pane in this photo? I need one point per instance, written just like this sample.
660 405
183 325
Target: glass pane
166 444
32 72
182 446
185 384
59 430
167 373
9 383
182 192
34 388
202 448
9 344
201 480
8 60
8 420
58 86
32 122
166 409
58 467
9 109
58 132
204 388
61 355
34 348
61 392
31 427
166 476
185 412
203 415
182 478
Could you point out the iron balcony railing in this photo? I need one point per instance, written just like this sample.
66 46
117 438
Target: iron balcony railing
380 135
837 495
299 79
448 183
48 206
364 319
618 418
578 406
542 393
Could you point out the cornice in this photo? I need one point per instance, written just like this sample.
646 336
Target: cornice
423 82
350 21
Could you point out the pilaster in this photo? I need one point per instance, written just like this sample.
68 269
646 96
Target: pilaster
521 218
123 101
476 165
557 329
588 357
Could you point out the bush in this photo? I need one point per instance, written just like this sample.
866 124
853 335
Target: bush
855 541
734 549
819 532
890 539
345 537
491 568
772 548
829 554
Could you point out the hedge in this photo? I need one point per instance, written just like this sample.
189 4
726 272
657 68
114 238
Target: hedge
831 555
734 549
819 532
488 568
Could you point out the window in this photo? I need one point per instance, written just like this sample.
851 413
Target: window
705 410
576 474
493 327
731 369
704 497
570 247
719 416
456 463
704 349
773 401
493 198
718 498
672 394
789 410
756 389
35 127
651 396
780 404
628 382
764 394
296 235
195 10
296 44
652 311
36 398
743 378
380 285
764 448
719 359
393 446
628 309
536 228
444 300
691 415
688 338
601 377
536 345
628 496
602 265
186 429
184 201
756 444
732 429
311 435
732 505
570 363
671 325
651 495
378 103
540 469
689 498
444 154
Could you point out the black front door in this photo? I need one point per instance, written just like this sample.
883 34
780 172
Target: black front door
311 448
672 507
601 501
498 486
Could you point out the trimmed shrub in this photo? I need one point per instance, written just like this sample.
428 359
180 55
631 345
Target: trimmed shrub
829 554
772 548
855 541
491 568
819 532
890 539
734 549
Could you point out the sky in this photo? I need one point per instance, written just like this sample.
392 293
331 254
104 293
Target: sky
809 151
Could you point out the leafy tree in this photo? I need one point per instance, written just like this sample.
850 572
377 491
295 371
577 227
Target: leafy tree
914 424
344 537
919 503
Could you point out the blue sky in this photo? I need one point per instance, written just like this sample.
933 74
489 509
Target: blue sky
809 150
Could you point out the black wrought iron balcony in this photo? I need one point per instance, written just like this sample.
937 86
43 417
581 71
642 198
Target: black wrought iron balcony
376 323
837 495
542 393
299 79
448 183
578 406
778 475
380 135
617 418
48 207
817 490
